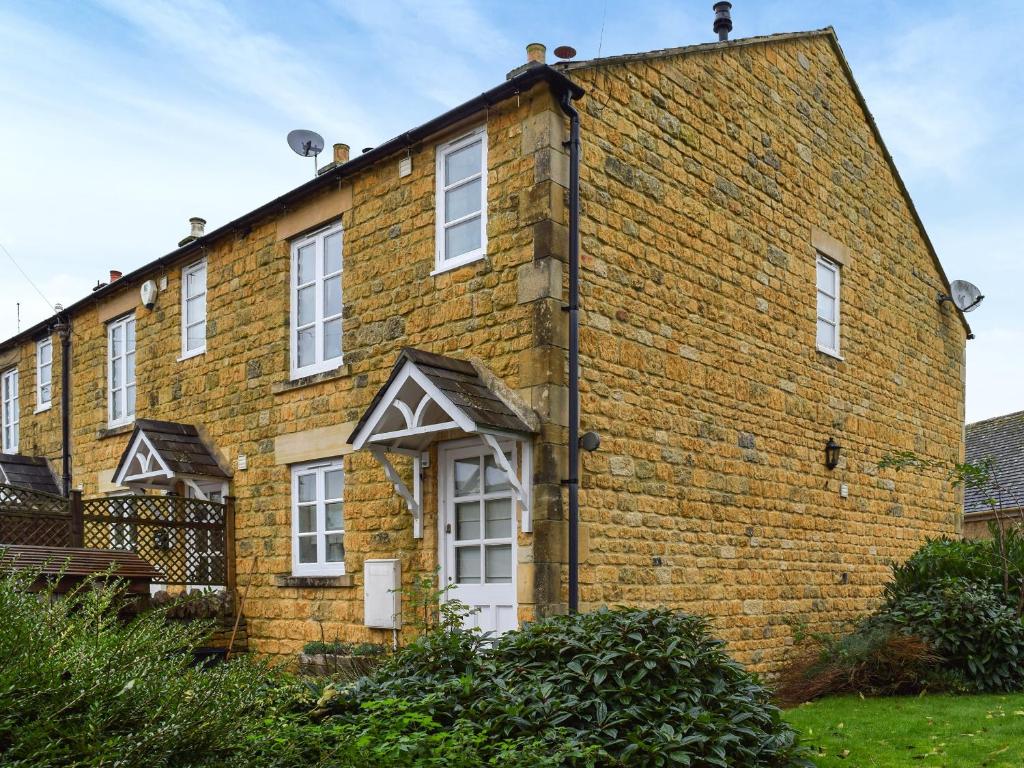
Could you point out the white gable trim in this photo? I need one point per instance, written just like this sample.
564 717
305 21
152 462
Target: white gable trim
146 461
413 418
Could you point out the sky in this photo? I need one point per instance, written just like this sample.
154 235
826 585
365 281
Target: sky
120 119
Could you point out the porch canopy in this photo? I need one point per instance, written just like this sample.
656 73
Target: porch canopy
160 454
431 397
32 472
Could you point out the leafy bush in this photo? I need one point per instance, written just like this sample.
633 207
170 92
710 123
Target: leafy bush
637 687
950 621
970 626
341 648
939 560
79 687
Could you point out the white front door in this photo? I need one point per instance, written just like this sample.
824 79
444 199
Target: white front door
478 534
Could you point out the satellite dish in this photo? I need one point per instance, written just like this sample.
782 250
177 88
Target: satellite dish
306 143
964 295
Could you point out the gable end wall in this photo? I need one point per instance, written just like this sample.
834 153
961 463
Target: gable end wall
708 182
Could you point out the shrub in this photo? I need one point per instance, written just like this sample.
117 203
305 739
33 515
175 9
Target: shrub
935 631
341 648
78 687
877 661
640 687
939 560
969 625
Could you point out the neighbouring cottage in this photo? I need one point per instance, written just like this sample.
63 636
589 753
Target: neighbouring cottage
374 365
999 443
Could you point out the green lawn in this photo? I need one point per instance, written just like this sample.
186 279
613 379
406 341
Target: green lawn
947 731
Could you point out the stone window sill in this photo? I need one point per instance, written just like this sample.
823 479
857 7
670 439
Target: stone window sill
314 582
124 429
827 354
307 381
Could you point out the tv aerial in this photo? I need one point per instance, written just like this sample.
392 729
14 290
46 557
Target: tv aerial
307 144
964 295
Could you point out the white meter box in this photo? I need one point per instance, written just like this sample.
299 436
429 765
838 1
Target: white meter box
382 601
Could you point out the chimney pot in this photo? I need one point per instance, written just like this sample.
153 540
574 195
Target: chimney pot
535 53
115 274
341 153
198 226
723 20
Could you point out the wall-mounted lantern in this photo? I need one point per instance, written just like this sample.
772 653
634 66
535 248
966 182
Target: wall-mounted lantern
832 449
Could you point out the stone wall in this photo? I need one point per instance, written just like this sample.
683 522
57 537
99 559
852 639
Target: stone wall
503 311
709 181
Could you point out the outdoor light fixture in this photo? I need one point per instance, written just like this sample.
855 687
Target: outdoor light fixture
832 449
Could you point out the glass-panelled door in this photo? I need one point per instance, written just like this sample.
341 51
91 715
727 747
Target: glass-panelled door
478 534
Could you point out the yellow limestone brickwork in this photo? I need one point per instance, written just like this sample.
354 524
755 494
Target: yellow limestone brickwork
709 182
503 311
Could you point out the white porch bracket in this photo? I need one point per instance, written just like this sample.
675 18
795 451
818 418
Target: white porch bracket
414 498
491 442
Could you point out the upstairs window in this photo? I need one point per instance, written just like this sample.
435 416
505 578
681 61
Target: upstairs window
316 302
193 309
9 410
462 200
44 374
828 306
121 371
318 519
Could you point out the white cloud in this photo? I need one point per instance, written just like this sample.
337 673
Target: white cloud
930 87
436 48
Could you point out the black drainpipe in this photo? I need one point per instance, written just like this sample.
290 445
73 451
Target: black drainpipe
64 329
573 481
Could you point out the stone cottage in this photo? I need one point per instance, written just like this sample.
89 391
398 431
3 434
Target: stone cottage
374 365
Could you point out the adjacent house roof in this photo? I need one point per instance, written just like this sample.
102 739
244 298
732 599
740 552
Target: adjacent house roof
28 472
511 87
830 35
177 450
1002 440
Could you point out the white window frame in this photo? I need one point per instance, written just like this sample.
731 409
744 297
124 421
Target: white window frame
441 264
320 364
187 272
835 269
9 401
321 567
121 394
41 368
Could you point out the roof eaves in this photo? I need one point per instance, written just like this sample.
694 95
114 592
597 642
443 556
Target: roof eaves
511 87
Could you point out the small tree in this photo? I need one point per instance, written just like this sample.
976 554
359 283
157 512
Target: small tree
1007 533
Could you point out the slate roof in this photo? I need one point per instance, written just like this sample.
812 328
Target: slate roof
28 472
1002 440
461 383
180 447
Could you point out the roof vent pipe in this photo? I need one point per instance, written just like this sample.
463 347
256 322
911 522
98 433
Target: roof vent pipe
723 20
198 227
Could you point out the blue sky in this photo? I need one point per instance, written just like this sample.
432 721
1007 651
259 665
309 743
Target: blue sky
120 119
